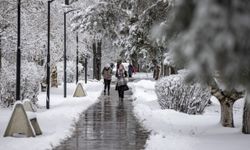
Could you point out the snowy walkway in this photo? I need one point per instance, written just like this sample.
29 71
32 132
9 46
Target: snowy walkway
108 125
56 122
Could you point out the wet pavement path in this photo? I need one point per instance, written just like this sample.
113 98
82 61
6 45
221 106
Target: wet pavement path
107 125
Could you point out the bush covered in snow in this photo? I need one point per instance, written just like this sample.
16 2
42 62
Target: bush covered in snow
174 93
30 79
71 71
8 85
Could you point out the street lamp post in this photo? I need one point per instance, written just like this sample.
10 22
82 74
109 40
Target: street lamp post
86 69
64 58
18 57
76 57
48 58
64 52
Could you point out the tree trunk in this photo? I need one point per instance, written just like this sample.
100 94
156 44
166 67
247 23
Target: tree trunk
246 115
94 59
0 53
226 99
135 63
97 55
227 112
0 66
54 82
99 60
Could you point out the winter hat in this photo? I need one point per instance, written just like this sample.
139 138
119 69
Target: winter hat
121 67
107 66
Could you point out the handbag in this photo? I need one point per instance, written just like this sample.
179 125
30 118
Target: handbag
125 74
125 87
116 87
121 82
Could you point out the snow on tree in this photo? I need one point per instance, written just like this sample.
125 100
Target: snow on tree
212 38
174 93
7 28
31 75
32 46
99 22
127 24
33 41
138 42
71 71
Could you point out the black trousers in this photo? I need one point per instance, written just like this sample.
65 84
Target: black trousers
121 91
107 85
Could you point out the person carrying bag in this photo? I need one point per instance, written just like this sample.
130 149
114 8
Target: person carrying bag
121 84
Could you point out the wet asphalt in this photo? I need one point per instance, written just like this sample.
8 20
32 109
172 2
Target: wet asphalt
108 125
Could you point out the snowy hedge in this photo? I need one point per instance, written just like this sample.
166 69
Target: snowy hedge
71 71
174 93
30 79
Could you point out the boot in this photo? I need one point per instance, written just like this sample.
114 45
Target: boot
108 93
104 92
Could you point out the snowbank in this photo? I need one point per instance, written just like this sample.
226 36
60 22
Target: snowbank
173 130
55 123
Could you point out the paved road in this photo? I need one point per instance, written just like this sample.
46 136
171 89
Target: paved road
108 125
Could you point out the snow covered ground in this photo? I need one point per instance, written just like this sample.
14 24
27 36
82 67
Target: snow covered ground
172 130
55 123
143 76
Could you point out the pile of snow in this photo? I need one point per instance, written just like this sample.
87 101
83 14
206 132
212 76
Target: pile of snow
143 75
57 122
173 130
174 93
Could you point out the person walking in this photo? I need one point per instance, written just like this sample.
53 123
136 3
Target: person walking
130 70
107 76
156 72
121 84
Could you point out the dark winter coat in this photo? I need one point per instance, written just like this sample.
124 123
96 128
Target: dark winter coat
130 69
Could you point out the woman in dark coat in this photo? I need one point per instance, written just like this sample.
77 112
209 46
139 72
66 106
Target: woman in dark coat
130 70
121 81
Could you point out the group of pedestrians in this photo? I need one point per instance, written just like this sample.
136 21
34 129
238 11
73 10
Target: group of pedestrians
121 74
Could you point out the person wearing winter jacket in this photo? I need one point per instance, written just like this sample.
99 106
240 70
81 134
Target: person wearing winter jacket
107 76
121 84
130 70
